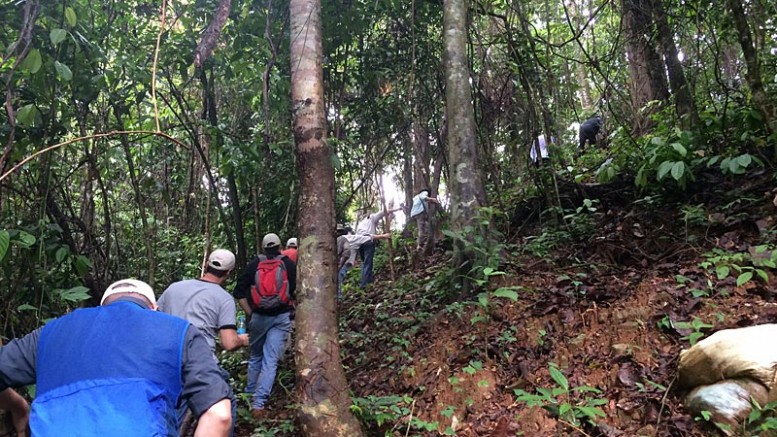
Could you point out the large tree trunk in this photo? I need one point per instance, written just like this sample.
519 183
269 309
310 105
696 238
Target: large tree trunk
753 74
648 80
322 387
683 99
466 186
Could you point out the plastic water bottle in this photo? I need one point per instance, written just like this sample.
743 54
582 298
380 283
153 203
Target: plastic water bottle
241 325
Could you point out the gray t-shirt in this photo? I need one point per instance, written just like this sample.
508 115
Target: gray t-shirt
203 304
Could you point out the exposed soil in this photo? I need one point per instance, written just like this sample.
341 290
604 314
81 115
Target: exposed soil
604 309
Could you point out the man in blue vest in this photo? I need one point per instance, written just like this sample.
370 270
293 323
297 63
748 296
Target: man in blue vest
118 370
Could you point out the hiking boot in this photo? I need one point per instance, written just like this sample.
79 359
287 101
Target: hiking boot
258 413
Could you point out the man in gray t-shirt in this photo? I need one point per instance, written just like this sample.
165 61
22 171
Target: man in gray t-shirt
205 304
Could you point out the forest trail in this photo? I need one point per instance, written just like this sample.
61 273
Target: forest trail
611 312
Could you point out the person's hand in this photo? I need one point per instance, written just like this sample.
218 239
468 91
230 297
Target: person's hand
244 341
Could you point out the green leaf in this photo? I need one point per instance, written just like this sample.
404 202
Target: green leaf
62 252
678 169
76 294
722 272
82 264
657 141
5 240
564 409
26 239
26 307
559 377
744 277
32 62
664 168
63 71
57 36
70 16
680 149
744 160
506 293
25 116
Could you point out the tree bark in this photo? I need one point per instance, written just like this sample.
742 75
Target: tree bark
753 74
648 80
683 99
322 387
466 186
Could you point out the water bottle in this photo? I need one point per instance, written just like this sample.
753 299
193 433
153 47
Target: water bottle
241 325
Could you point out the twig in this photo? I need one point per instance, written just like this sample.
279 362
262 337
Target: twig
663 403
156 60
90 137
410 419
576 428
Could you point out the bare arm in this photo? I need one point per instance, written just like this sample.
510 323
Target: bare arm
216 421
385 236
230 340
246 307
19 409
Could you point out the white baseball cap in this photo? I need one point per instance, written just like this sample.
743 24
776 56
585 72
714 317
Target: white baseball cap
130 286
292 242
221 259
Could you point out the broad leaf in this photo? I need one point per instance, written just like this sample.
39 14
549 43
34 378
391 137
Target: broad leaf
75 294
680 149
25 116
57 36
63 71
663 169
743 278
5 239
32 62
26 239
26 307
507 293
70 16
62 252
722 272
678 169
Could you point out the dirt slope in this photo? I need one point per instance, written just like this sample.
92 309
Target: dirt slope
611 311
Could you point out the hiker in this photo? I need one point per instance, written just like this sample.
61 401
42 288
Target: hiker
542 144
420 214
291 249
205 304
265 290
368 226
588 131
117 369
347 247
15 404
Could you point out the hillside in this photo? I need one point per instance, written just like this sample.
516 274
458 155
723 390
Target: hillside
610 311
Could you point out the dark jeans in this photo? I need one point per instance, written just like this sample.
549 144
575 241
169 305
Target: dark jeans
367 253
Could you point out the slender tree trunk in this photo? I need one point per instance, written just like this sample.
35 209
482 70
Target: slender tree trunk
322 387
466 186
753 74
683 99
148 240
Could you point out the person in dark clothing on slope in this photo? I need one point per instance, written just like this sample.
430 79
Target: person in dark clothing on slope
588 131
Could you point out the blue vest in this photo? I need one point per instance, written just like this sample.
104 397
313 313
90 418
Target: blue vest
109 371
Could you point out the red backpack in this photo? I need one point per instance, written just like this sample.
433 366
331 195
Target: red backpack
271 289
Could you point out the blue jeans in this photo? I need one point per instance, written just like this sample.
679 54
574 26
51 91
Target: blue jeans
367 253
180 412
341 277
268 336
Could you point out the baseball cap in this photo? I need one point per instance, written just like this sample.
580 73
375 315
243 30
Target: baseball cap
221 259
130 286
292 242
270 240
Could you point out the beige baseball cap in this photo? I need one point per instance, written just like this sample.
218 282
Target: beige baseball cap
221 259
